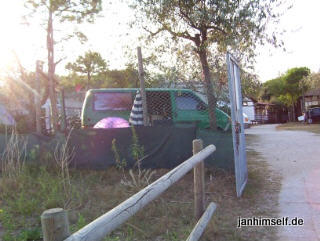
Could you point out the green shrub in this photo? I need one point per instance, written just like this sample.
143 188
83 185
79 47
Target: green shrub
33 234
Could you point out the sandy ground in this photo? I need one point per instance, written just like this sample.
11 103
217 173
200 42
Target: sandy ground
295 155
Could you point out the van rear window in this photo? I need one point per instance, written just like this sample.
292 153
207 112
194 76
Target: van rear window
112 101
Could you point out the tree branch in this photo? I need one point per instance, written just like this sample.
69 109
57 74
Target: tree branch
153 33
184 34
216 28
57 62
189 20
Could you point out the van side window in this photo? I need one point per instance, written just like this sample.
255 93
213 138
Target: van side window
112 101
188 102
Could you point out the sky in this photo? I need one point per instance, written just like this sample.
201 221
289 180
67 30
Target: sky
111 34
302 42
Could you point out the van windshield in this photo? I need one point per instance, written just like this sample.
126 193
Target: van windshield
202 97
112 101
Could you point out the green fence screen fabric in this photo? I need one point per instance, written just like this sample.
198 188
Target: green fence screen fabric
164 146
223 156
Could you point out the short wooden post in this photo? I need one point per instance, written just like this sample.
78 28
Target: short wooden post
55 224
198 177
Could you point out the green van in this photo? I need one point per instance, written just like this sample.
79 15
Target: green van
164 105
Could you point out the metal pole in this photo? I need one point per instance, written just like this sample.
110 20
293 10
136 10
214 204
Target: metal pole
142 88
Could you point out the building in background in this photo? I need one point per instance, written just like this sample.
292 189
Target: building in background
264 113
311 99
248 108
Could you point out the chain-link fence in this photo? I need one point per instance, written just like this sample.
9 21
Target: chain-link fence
72 117
164 106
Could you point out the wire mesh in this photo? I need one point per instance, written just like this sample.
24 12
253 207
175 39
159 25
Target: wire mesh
165 106
72 118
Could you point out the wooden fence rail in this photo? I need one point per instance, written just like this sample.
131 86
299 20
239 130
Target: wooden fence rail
202 223
105 224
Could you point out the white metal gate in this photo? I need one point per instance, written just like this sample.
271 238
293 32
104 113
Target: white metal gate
239 142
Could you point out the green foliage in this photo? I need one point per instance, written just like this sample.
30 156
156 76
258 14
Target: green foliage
27 190
293 85
287 88
81 222
313 81
120 164
90 65
64 10
250 85
142 177
136 149
272 89
293 76
218 25
125 78
117 78
6 221
172 236
33 234
35 190
33 153
221 25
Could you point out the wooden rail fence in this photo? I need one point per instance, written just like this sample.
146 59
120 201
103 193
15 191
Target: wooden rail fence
55 225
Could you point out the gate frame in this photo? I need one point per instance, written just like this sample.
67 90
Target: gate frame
238 136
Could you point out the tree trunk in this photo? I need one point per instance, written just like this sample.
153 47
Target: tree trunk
209 89
37 98
51 70
89 79
293 113
289 116
31 121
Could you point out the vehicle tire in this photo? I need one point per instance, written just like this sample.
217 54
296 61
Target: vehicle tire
309 121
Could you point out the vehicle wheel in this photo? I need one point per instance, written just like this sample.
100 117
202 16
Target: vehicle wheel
309 121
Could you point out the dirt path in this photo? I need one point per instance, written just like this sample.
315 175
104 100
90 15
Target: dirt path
295 155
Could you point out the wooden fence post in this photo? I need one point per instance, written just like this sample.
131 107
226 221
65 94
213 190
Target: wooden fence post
198 177
37 97
63 126
55 224
142 88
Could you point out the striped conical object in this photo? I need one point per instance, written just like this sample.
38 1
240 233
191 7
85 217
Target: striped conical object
136 115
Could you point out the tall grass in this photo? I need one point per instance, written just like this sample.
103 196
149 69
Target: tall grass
13 157
27 189
63 155
139 177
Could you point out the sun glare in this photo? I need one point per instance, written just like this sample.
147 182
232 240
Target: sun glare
17 40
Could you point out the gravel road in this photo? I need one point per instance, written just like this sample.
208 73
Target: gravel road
295 155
